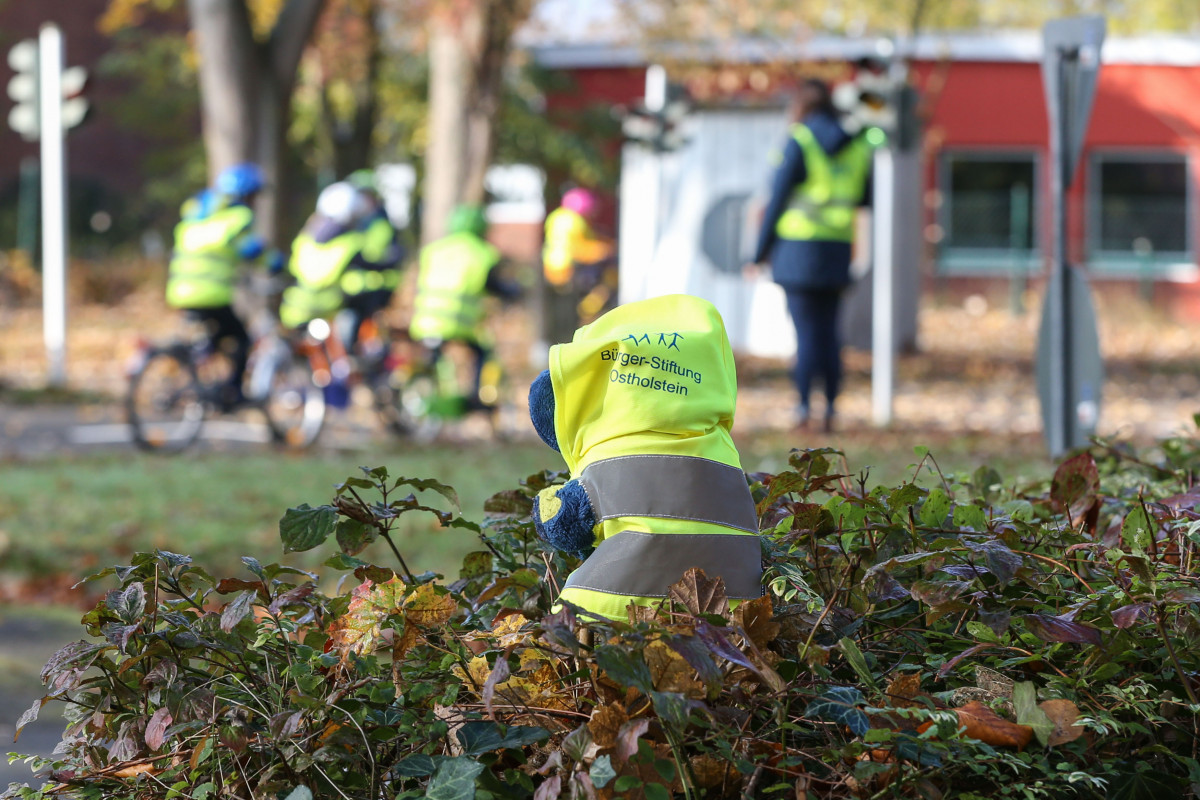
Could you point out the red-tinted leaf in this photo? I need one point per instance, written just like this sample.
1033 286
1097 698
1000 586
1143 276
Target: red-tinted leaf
1075 485
1055 629
936 593
1184 595
500 673
156 728
550 789
946 668
1126 616
32 713
291 597
230 585
627 739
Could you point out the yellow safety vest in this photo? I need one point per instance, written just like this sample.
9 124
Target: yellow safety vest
644 400
370 276
569 240
318 268
822 207
204 263
450 287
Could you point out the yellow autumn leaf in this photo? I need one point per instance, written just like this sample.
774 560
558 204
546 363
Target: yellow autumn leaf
670 673
476 674
429 608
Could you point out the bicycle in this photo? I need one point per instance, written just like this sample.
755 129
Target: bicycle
422 387
174 387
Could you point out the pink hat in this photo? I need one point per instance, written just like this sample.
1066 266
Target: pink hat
581 201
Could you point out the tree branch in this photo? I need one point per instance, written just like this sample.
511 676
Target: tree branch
289 38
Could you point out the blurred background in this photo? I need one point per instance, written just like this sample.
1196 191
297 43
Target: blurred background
671 114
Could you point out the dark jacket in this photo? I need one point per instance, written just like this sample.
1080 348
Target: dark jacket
803 264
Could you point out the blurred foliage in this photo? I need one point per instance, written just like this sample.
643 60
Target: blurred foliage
716 20
122 14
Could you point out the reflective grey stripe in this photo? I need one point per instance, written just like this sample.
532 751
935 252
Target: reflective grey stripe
645 564
670 487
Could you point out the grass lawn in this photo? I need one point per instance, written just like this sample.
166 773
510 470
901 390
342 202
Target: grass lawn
71 516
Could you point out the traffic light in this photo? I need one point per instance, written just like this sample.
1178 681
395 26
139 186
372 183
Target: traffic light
656 121
23 89
881 101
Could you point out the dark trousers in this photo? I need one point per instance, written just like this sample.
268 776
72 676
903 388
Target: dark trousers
225 330
818 345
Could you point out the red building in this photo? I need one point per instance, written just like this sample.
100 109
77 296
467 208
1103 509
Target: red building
1133 206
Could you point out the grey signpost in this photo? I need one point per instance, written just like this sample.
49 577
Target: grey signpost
1069 368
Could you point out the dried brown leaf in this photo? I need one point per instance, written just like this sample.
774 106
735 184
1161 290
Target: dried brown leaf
1063 713
990 728
669 672
699 594
605 725
756 619
903 689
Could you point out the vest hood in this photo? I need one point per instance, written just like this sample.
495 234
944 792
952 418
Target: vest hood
656 376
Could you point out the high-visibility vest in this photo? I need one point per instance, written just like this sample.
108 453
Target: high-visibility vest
644 400
569 240
822 206
318 268
204 264
450 287
371 273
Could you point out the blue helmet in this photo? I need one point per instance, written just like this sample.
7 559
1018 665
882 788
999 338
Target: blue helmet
240 180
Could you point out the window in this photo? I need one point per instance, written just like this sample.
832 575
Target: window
1140 208
988 214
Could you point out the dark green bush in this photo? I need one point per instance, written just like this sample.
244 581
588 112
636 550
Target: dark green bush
972 639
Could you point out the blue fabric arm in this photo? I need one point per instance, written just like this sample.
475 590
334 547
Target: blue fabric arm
790 174
564 519
541 409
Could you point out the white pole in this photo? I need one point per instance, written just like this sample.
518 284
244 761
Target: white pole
883 303
54 202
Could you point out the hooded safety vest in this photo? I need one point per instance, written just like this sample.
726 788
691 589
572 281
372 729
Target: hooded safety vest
822 206
204 265
450 287
644 400
318 268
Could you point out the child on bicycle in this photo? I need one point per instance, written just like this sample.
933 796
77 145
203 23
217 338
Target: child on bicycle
456 272
215 234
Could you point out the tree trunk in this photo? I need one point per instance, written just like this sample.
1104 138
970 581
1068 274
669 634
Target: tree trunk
468 46
246 91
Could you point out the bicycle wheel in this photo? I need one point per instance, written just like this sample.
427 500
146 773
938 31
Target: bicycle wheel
293 403
407 399
165 403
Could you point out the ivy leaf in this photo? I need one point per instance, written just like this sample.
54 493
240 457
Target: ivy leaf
602 771
1145 784
454 780
840 704
304 527
479 737
236 611
417 766
1057 629
549 789
300 793
1075 485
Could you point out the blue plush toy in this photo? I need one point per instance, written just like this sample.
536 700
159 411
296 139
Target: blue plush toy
564 519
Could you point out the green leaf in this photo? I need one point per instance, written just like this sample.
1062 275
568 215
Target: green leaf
341 561
858 662
1137 529
417 766
1145 784
127 604
454 780
656 791
353 536
483 737
840 704
303 527
428 484
970 516
624 667
253 565
1029 713
626 782
300 793
904 496
602 772
935 508
476 564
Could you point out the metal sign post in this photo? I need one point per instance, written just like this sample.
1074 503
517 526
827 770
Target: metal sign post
1069 368
54 202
